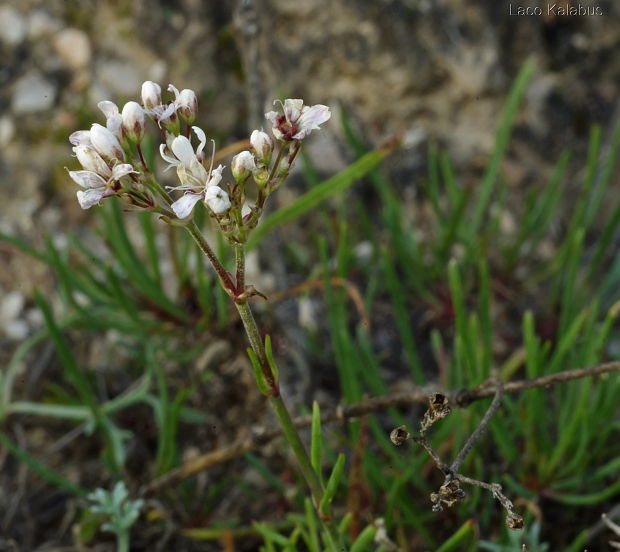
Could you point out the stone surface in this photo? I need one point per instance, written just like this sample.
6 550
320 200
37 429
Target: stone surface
33 93
12 26
73 48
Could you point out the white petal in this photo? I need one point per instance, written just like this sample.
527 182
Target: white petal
113 124
172 88
292 109
108 108
92 161
166 113
80 138
106 144
272 116
261 143
188 102
217 200
167 158
133 120
122 170
92 197
183 207
243 161
151 94
310 120
87 179
182 148
216 176
202 137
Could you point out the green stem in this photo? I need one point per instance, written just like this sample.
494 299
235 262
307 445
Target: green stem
206 249
298 448
122 541
258 346
240 264
284 417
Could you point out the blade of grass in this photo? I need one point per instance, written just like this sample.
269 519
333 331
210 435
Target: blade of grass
315 196
502 137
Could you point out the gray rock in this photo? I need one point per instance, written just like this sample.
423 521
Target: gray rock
41 25
33 93
73 48
120 78
12 26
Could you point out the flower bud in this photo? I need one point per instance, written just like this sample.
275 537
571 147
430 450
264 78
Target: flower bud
133 121
187 105
217 200
261 176
151 94
262 145
242 166
92 161
106 144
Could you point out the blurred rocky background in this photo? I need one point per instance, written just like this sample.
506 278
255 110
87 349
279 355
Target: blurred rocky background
435 70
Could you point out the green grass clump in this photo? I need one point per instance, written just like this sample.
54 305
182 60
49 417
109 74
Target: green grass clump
445 305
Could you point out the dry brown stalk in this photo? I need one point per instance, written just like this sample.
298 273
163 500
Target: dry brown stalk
460 398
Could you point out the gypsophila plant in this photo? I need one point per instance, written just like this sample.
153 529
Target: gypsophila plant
114 165
121 511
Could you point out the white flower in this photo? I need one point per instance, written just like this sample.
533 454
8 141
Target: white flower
151 94
188 163
186 103
133 121
183 206
261 144
242 165
298 119
106 144
195 179
96 187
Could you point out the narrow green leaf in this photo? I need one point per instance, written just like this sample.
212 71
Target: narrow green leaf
315 196
332 484
489 179
458 540
270 359
316 441
258 373
364 540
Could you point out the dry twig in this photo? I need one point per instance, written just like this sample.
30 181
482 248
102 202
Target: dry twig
459 398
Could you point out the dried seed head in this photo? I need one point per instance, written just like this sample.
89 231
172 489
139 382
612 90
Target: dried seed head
449 494
399 435
438 408
514 521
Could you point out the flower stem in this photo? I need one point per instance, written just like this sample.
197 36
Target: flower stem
240 265
258 346
200 240
284 417
122 541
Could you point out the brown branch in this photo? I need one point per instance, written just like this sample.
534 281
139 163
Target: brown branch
460 398
497 399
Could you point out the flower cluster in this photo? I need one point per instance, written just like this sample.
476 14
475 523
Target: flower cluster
114 165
